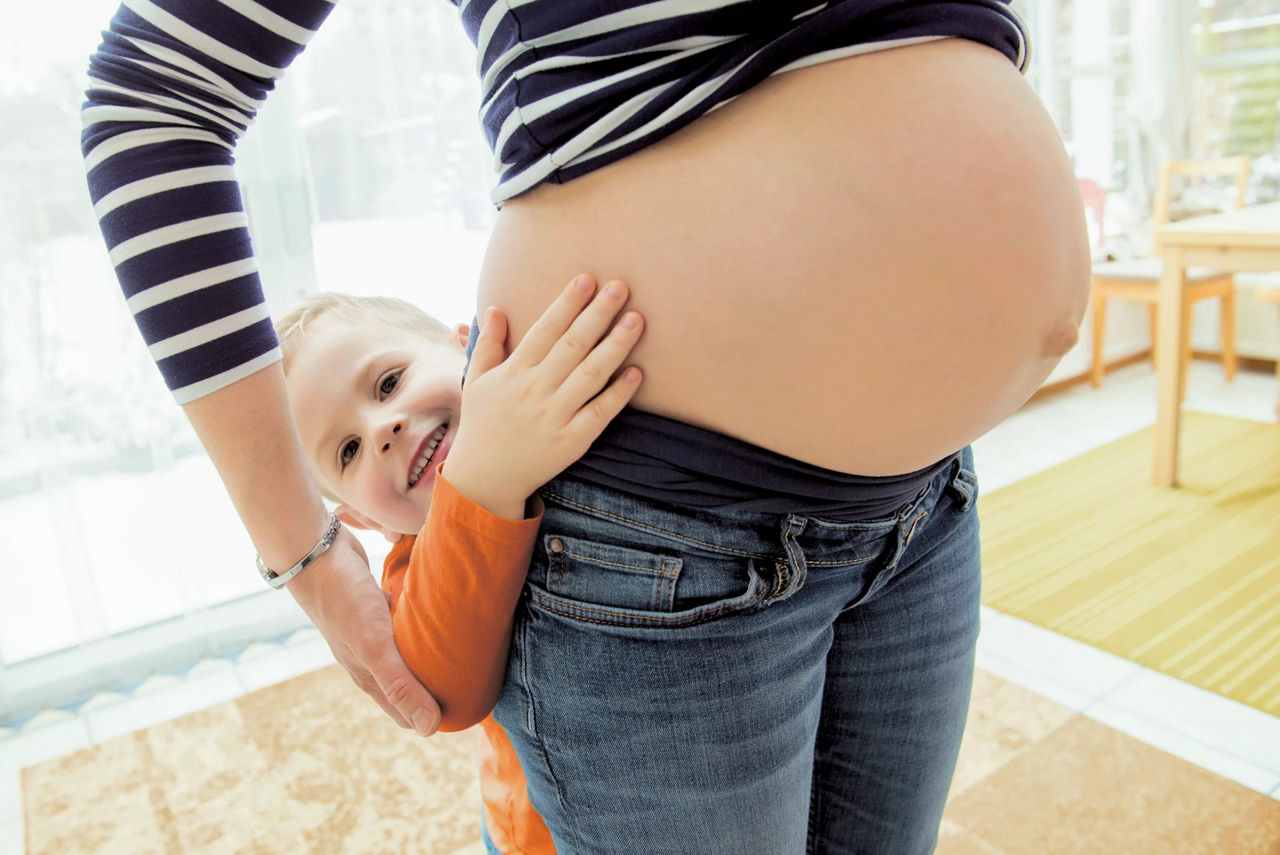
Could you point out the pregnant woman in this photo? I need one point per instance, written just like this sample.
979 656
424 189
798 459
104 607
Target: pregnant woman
857 243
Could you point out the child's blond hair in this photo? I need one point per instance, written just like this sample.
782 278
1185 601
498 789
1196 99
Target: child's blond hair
291 327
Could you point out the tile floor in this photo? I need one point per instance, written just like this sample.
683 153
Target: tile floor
1220 735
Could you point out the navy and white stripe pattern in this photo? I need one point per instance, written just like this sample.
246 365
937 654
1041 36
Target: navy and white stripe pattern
568 86
171 88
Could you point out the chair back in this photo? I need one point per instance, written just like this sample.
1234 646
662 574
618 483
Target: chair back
1094 196
1235 167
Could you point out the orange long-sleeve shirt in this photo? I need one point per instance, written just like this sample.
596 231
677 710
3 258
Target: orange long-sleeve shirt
454 589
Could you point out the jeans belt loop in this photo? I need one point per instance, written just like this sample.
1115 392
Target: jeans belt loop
791 573
959 485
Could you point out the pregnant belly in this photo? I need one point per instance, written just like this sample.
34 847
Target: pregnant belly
865 264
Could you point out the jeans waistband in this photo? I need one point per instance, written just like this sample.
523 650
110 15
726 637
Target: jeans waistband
742 532
670 461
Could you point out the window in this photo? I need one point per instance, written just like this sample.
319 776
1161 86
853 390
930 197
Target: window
1132 83
1082 68
366 172
1237 87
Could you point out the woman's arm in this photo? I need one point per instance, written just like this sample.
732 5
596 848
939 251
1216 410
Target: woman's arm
173 86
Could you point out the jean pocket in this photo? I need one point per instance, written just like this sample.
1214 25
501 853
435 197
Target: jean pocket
606 583
610 575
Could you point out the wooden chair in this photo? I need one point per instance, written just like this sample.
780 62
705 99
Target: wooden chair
1139 279
1094 196
1274 297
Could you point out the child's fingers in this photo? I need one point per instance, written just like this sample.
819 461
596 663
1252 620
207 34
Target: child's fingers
546 331
592 373
603 408
490 349
577 342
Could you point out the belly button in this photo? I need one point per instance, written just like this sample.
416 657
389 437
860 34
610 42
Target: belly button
1063 337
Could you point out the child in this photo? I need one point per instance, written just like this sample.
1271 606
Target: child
376 388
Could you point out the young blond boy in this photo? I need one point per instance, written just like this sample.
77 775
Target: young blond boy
376 388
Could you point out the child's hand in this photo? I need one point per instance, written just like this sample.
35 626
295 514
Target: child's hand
526 418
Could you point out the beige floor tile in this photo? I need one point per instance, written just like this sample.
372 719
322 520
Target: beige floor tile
1004 721
1087 789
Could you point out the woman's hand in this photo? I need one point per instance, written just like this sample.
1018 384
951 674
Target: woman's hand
345 603
526 417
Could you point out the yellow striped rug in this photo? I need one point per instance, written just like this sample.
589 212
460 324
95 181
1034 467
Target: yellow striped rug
1184 581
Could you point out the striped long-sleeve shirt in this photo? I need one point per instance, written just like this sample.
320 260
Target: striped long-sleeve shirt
568 86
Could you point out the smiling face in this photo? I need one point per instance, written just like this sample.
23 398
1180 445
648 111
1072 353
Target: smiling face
377 408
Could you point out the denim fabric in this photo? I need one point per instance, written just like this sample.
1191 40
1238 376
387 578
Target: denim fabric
707 681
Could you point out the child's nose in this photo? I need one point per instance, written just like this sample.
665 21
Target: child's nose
395 431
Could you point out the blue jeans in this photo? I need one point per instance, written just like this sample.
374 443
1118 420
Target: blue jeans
699 681
489 846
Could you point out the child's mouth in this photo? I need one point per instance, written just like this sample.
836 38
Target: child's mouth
426 454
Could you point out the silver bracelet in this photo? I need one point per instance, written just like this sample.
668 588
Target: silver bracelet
277 580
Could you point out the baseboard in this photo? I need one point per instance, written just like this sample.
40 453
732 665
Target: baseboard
1243 363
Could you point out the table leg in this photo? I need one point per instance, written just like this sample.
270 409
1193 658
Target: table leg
1169 369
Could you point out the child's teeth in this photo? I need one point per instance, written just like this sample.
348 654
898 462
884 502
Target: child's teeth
426 457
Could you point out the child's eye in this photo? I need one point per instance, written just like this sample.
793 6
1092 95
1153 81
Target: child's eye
348 452
387 384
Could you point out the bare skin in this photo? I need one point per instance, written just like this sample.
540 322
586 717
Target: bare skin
864 264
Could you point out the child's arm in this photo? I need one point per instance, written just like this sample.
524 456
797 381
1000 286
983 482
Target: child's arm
453 592
524 419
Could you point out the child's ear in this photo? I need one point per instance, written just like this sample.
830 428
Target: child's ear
462 335
355 519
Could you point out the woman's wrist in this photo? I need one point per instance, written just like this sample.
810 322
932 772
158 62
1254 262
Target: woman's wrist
281 578
307 585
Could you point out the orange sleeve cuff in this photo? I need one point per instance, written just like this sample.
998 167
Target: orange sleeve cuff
454 592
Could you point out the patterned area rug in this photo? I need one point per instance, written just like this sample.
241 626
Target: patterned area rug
312 766
1184 581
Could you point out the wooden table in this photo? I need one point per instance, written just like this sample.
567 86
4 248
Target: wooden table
1246 239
